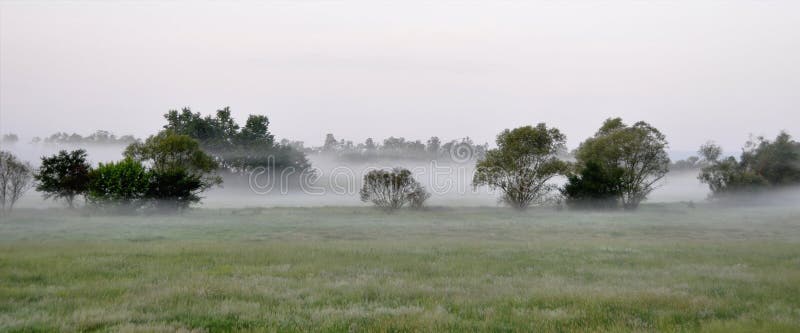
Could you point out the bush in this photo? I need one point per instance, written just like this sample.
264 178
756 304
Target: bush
121 185
763 164
593 187
390 190
174 189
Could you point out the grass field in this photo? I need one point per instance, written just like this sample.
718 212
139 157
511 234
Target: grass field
665 268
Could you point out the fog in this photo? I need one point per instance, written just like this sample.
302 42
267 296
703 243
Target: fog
338 182
696 70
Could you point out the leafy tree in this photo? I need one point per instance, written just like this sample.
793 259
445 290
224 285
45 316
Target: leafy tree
390 190
122 184
174 189
63 176
180 169
763 164
522 165
777 161
640 151
15 180
594 187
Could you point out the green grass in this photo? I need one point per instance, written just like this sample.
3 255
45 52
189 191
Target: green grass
665 268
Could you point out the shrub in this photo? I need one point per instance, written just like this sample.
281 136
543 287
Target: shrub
121 185
390 190
593 187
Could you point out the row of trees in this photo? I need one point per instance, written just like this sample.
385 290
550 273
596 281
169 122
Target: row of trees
167 171
99 137
763 164
461 150
237 148
617 167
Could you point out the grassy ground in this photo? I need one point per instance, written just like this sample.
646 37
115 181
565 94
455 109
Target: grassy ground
665 268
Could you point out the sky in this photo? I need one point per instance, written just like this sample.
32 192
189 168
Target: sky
697 70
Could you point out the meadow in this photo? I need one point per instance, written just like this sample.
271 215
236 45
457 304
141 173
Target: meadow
667 267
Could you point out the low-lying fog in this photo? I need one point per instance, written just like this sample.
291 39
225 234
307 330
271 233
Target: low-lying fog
339 182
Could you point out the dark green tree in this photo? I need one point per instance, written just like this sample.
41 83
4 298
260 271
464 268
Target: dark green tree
63 176
593 187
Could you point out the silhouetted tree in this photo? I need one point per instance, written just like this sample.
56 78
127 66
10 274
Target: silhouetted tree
63 176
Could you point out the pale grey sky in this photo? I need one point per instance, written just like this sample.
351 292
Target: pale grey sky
698 70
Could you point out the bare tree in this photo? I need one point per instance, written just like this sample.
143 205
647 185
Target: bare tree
15 179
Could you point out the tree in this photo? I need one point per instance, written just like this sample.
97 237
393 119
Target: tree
15 180
122 184
174 189
640 151
418 196
763 164
778 161
522 165
330 143
63 176
180 169
593 187
390 190
236 148
10 138
434 144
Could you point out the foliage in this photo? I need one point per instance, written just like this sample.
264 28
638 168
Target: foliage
390 190
63 176
594 187
639 151
122 184
461 150
235 147
418 196
174 189
98 137
15 180
763 164
180 169
525 160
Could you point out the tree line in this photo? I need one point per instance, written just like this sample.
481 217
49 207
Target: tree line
461 150
616 168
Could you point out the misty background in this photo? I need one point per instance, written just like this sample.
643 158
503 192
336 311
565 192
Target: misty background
698 71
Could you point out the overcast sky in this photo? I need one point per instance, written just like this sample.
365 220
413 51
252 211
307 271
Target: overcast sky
698 70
